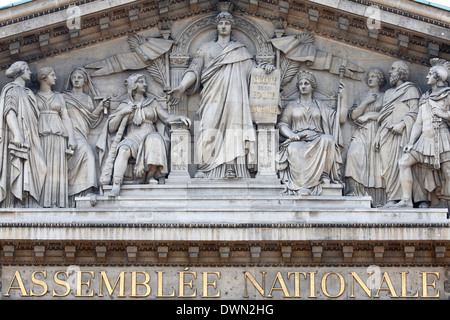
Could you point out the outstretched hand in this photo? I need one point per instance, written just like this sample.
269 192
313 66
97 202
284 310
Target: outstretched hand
175 96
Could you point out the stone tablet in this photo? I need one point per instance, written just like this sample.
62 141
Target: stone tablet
264 95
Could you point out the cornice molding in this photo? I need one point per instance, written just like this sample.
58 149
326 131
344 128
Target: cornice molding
99 24
225 225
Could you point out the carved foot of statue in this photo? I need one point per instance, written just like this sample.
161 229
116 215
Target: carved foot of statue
288 192
423 204
390 204
114 192
93 199
199 175
116 188
150 178
325 179
230 174
404 203
304 192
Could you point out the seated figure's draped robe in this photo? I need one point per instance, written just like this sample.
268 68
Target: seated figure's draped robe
303 164
143 133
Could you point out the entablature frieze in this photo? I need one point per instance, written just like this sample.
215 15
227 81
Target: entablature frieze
226 254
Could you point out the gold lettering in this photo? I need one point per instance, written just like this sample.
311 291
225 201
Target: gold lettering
80 284
312 285
283 288
324 284
120 280
297 282
135 284
404 290
160 286
261 290
361 283
425 284
182 284
206 284
62 283
389 288
39 283
23 291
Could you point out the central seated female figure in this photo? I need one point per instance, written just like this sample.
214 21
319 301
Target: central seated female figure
310 157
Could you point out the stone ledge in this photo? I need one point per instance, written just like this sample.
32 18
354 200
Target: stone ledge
210 215
225 232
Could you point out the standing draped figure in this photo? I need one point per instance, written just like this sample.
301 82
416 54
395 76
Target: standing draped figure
57 138
363 167
220 70
400 107
22 163
85 116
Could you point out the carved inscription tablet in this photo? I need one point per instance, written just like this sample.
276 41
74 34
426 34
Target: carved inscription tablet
264 95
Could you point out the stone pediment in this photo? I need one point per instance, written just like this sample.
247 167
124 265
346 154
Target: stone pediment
33 31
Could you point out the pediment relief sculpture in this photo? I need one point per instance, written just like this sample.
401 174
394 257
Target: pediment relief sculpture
427 152
310 156
23 165
363 167
220 70
386 142
135 131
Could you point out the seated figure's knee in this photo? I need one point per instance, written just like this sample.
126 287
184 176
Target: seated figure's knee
124 151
